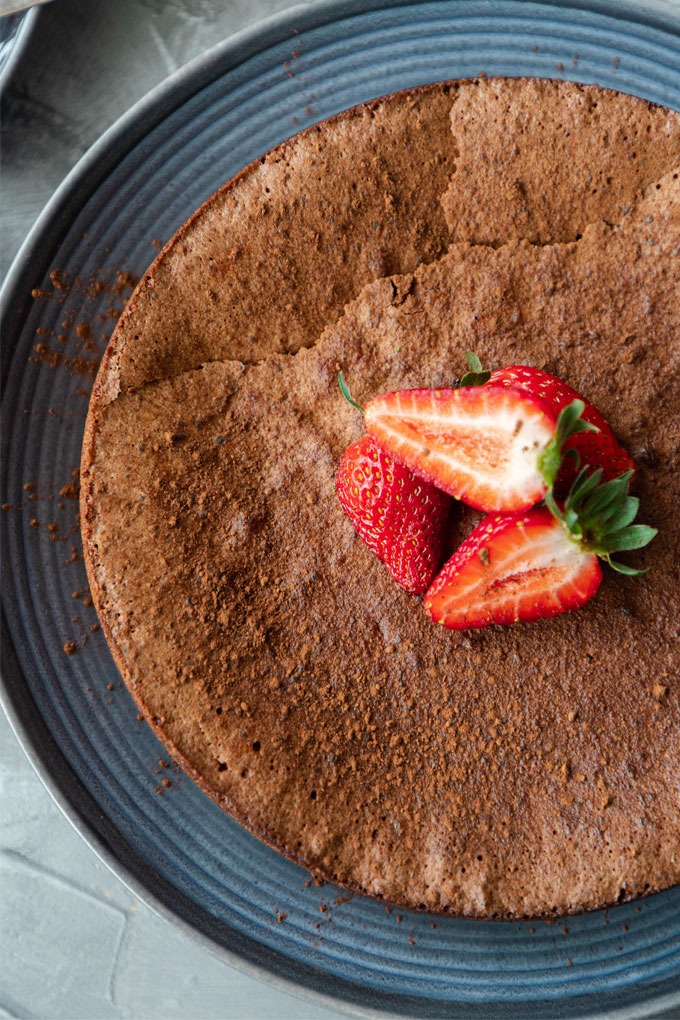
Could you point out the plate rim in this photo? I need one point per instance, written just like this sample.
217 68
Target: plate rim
80 183
21 40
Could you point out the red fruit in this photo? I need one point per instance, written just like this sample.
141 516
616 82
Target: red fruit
595 449
481 444
513 567
401 518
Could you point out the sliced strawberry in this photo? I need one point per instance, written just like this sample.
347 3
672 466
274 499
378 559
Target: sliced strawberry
598 449
513 567
401 518
541 562
481 444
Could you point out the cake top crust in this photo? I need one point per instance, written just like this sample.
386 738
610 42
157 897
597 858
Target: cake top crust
515 771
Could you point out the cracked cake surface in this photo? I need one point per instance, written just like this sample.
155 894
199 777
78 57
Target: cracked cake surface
515 771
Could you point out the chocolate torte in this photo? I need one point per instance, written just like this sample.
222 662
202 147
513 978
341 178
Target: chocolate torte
506 772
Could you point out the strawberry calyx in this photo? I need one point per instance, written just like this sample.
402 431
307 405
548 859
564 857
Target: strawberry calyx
476 374
569 422
598 516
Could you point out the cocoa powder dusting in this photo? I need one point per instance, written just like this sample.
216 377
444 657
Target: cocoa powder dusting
483 773
86 291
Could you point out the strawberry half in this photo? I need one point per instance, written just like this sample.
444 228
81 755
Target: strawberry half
598 449
535 564
401 518
494 447
513 567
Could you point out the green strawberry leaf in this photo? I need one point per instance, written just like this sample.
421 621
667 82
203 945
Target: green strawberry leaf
568 424
623 568
572 523
634 537
606 494
476 376
344 389
554 508
583 485
621 513
624 514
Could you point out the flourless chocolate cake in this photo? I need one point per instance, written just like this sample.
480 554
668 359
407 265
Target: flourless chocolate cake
505 772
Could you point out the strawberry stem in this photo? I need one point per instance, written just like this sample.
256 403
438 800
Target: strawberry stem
344 389
569 423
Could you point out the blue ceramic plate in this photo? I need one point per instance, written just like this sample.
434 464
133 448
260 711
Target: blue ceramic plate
170 843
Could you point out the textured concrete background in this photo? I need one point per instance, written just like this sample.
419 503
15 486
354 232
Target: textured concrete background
74 943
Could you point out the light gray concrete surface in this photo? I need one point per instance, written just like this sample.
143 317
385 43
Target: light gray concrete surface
74 942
